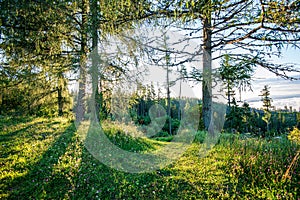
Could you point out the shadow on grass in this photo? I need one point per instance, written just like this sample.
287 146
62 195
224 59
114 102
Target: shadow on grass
22 131
39 182
9 121
97 181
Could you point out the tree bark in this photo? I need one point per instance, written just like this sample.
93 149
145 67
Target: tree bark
207 73
95 62
169 100
81 105
179 101
60 100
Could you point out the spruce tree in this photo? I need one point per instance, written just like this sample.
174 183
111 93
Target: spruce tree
265 98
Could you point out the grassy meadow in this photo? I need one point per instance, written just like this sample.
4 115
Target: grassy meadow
44 158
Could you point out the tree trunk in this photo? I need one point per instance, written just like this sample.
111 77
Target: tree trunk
60 100
228 95
81 107
179 101
207 72
1 100
95 63
60 86
169 101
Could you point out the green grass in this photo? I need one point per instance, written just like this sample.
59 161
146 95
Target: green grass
45 159
129 138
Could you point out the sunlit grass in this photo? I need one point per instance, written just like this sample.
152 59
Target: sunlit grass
24 143
129 138
45 159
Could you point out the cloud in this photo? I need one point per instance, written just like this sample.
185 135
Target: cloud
283 92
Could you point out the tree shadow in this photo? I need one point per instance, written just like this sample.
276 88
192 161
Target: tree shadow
97 181
13 120
20 132
39 182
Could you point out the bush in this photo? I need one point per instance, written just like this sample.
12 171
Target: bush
143 120
164 139
175 123
294 135
200 136
161 134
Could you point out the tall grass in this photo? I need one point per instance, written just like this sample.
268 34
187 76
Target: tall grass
260 165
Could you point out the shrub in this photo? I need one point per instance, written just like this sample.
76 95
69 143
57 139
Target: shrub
200 136
175 123
294 135
164 139
161 134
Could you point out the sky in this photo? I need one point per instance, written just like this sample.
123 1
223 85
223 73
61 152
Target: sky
283 92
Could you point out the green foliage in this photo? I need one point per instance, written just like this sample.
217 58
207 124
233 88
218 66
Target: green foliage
200 136
36 96
266 99
175 123
234 116
164 139
235 74
294 135
266 118
33 65
142 100
161 134
259 122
